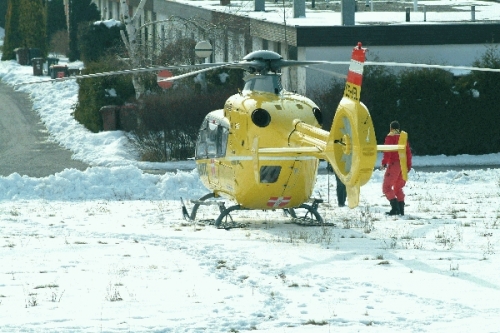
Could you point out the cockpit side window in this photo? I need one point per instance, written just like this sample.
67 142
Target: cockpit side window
212 140
201 143
264 83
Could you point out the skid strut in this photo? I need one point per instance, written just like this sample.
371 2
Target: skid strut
225 221
225 213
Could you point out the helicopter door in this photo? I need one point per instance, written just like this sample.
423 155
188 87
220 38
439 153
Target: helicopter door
301 179
213 163
239 129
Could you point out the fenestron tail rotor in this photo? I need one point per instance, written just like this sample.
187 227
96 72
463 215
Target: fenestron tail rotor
352 146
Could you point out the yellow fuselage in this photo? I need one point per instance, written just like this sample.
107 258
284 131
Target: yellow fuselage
237 171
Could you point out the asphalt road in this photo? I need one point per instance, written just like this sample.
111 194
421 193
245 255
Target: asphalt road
25 146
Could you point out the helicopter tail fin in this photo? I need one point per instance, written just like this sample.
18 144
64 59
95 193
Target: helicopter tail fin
352 147
354 81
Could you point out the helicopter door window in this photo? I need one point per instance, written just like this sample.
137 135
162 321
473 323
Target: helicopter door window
212 140
201 144
269 173
222 141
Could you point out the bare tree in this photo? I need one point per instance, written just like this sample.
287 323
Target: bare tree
130 41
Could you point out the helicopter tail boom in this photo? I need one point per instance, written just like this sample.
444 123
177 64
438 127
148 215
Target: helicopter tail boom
401 149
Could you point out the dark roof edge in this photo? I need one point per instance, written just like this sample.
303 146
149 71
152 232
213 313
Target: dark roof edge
407 34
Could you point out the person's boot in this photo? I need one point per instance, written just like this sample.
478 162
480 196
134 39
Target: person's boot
394 206
401 207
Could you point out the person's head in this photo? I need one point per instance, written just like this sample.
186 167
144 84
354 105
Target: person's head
395 125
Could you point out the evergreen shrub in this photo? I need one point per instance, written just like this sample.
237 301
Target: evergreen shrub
170 120
442 113
94 93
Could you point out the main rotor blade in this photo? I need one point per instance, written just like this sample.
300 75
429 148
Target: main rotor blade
173 78
289 63
339 75
209 66
403 64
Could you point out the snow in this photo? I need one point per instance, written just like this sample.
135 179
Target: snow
109 23
107 249
485 11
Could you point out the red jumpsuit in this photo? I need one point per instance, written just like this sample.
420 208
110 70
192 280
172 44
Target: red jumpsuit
393 179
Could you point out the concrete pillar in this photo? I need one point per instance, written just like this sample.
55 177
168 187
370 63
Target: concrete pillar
218 47
301 72
241 46
272 46
259 5
285 72
299 8
236 46
348 8
257 43
116 12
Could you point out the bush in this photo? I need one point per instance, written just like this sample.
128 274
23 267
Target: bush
99 40
59 43
97 92
170 123
442 114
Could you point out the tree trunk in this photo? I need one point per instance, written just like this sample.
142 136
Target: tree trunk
130 41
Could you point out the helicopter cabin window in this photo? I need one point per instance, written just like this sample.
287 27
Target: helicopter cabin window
212 140
269 173
265 83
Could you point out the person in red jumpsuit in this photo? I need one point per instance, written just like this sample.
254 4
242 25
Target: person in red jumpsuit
393 184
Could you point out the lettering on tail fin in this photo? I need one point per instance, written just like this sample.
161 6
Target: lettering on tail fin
352 88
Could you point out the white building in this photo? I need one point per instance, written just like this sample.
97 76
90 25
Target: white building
454 34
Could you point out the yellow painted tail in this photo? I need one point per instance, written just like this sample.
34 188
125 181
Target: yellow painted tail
352 147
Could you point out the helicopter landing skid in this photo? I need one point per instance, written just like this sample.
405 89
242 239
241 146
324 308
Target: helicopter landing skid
222 220
225 220
312 218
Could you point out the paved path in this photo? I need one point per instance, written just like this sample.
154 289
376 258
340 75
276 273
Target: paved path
25 146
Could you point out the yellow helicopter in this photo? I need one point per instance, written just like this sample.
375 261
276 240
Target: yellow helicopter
262 150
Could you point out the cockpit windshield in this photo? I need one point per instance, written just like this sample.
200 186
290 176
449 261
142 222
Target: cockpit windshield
266 83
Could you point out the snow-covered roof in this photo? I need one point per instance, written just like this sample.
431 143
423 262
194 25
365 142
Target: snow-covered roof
328 13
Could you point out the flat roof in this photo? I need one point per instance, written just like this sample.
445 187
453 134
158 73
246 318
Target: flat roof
328 13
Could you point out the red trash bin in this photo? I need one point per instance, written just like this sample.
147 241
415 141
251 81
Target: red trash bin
109 114
37 66
127 119
22 56
58 71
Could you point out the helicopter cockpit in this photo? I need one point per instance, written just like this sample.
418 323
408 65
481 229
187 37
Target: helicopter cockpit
212 137
266 83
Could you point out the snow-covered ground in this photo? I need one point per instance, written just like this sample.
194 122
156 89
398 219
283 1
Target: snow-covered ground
107 249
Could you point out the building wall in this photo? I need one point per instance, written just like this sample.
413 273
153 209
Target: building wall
449 44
